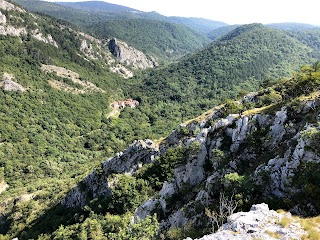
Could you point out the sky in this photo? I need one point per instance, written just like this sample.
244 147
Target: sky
230 11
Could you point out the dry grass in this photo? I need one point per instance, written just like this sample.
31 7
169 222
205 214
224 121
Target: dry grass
312 227
286 221
208 114
273 234
263 109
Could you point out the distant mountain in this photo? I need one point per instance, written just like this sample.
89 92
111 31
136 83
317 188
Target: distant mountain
97 6
198 24
239 60
310 38
291 26
219 32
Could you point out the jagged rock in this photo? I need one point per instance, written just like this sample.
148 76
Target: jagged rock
204 198
240 133
277 131
259 223
130 55
8 85
178 219
114 48
39 36
144 210
282 169
97 184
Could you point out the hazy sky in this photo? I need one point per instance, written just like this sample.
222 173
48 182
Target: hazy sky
231 11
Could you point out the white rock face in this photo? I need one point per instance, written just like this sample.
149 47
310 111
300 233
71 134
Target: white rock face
282 169
130 55
12 31
144 210
7 84
3 18
9 6
39 36
277 131
259 223
3 186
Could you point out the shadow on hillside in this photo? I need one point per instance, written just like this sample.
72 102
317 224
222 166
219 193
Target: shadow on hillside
51 220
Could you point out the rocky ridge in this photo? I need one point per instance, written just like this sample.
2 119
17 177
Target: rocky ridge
258 223
262 153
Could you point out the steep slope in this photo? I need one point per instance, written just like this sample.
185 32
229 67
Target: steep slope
260 149
166 38
310 38
157 38
239 60
56 87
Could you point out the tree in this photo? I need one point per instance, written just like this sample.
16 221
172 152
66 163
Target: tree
226 207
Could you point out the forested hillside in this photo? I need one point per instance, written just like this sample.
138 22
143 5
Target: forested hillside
161 39
238 62
56 86
262 148
199 24
165 38
66 105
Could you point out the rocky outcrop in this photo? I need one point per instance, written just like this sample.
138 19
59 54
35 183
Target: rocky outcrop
9 6
259 223
122 71
248 142
3 186
3 18
48 39
130 56
12 31
97 184
281 169
84 86
263 150
7 84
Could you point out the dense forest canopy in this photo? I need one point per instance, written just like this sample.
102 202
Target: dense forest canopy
50 139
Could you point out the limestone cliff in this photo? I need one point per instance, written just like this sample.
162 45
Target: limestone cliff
130 55
265 154
115 55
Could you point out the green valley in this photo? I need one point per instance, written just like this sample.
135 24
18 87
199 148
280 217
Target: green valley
98 141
